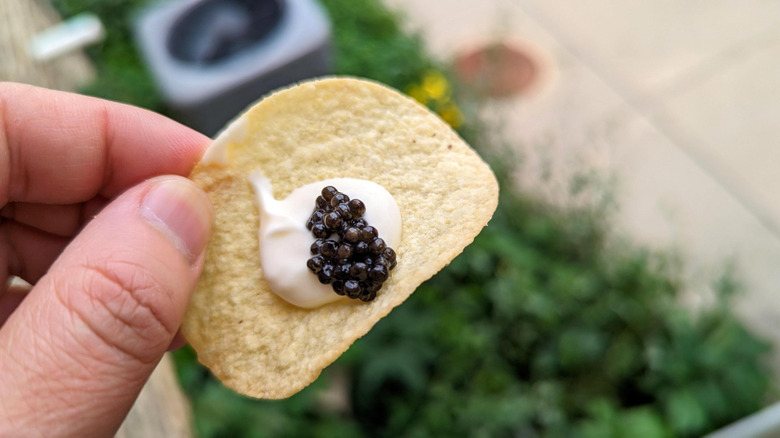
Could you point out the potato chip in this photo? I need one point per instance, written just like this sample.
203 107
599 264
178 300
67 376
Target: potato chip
255 342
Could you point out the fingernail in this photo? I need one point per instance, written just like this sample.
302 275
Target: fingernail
182 212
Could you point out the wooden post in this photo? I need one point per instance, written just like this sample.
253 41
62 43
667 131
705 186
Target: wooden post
19 21
161 410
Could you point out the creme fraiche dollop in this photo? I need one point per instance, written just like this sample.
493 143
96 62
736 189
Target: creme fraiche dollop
285 241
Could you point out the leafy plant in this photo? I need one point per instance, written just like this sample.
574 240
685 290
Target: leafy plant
541 329
368 43
121 75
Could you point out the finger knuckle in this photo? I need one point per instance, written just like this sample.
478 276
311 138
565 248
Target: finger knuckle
123 307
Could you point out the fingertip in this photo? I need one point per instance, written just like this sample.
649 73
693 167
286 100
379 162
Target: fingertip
182 212
177 342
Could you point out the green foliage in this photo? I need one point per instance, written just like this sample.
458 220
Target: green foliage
121 75
580 339
538 329
368 43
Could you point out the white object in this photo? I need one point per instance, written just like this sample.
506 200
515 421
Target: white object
72 34
762 424
285 241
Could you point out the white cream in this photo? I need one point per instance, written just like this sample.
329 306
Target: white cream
285 241
217 152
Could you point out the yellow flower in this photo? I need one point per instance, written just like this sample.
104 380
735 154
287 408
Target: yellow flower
417 93
435 85
451 114
434 91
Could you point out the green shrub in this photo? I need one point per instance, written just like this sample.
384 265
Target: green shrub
121 75
539 329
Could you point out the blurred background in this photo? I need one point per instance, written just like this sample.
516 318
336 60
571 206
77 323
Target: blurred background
627 285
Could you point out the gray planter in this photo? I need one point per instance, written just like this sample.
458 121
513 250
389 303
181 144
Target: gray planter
212 58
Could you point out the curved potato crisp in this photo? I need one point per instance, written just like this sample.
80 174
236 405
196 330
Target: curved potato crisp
252 340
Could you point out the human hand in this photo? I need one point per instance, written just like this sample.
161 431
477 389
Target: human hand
110 290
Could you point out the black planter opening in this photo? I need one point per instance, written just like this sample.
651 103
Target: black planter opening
217 29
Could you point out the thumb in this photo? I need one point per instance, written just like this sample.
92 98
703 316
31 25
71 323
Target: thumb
76 352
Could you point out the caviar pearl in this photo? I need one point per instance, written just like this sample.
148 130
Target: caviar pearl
352 235
329 248
357 207
338 287
359 271
377 246
338 198
326 274
389 254
378 273
342 271
344 251
332 220
352 288
320 231
316 246
328 192
368 234
373 287
315 263
361 248
315 218
344 211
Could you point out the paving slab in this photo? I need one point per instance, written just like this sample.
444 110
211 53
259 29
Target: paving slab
735 116
668 201
653 44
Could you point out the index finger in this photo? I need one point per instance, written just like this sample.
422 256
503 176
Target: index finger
62 148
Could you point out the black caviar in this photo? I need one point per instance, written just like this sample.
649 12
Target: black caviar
347 252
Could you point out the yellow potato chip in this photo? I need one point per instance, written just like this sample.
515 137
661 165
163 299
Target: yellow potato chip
257 343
